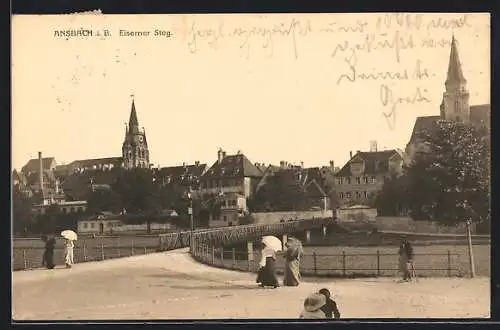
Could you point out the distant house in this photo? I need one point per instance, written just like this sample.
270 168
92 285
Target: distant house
312 181
364 174
65 207
184 176
232 179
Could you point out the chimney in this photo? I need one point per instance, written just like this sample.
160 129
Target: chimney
302 164
40 172
282 164
332 164
350 154
357 151
197 163
223 154
220 155
373 146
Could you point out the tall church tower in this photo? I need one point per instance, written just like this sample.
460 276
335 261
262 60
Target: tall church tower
135 151
455 105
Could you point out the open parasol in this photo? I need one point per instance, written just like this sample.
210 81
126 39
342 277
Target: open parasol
272 242
69 234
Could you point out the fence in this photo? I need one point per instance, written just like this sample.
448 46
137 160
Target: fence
338 265
28 254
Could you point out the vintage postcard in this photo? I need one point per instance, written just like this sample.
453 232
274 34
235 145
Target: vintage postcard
251 166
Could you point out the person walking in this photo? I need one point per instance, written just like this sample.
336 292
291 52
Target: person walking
69 253
48 253
406 259
267 271
292 256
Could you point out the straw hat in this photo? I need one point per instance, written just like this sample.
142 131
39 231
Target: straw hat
314 302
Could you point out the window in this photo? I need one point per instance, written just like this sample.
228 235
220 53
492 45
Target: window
80 209
339 180
65 210
92 225
358 180
348 194
365 194
366 179
348 180
341 195
85 225
358 194
225 218
374 179
72 209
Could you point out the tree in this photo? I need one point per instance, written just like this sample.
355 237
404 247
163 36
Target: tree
280 193
103 200
450 181
22 218
138 193
391 200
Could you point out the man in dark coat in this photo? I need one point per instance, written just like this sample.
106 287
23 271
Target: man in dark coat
48 254
406 259
330 308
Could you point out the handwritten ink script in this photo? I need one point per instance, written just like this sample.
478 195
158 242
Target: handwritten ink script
351 43
390 31
391 101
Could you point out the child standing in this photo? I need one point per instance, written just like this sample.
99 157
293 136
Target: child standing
330 308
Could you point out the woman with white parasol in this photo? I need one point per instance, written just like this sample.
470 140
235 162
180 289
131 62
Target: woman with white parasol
69 236
267 271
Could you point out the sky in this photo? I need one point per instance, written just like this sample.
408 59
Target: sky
295 87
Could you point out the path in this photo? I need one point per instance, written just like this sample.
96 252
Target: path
171 285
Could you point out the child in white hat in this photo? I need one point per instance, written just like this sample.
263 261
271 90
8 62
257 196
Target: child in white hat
312 307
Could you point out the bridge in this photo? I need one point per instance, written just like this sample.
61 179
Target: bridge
224 236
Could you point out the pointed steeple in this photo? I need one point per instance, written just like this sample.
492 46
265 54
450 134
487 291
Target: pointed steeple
455 75
133 123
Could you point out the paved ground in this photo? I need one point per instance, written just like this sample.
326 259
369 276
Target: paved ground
172 286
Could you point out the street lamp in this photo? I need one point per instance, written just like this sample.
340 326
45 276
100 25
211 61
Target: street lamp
191 222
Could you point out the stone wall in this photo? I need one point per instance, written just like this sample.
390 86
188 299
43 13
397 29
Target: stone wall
276 217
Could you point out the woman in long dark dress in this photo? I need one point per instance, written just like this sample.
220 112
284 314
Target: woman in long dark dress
48 254
267 272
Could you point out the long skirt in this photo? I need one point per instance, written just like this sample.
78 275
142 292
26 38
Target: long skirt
267 274
48 259
69 256
292 273
404 266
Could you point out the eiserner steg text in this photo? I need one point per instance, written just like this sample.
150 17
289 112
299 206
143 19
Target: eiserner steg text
127 33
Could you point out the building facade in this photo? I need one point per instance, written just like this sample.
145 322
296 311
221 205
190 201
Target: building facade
232 179
364 175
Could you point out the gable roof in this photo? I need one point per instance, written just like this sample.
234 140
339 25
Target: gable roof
421 124
32 164
184 174
233 166
375 162
314 189
88 163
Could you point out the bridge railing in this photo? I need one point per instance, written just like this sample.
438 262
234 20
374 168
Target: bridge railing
235 234
340 264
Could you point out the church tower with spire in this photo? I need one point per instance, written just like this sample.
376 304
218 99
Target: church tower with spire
455 105
135 150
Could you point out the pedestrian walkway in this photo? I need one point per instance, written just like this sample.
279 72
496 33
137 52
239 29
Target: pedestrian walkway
171 285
